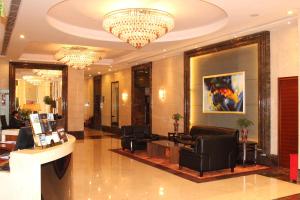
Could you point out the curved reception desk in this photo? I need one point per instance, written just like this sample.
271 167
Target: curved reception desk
37 173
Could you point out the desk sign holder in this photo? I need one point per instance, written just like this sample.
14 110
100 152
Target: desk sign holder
43 134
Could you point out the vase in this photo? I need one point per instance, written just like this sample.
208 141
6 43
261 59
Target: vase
244 135
176 127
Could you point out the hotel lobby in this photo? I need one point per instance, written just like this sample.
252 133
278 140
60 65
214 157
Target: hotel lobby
149 99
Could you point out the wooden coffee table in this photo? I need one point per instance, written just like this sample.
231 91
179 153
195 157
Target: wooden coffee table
164 149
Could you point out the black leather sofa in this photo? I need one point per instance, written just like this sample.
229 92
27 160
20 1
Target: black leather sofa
197 131
213 148
136 137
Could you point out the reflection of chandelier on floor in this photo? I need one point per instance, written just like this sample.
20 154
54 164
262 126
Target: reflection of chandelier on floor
138 26
77 57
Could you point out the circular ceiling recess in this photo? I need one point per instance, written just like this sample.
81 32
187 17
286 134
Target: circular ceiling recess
193 18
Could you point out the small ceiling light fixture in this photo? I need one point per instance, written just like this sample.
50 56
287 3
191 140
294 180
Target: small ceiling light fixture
77 57
290 12
98 72
138 26
22 36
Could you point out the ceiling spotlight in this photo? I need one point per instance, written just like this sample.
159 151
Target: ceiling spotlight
90 75
88 68
22 36
98 72
289 22
164 50
235 36
109 69
290 12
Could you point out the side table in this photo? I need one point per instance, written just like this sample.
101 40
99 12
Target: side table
247 148
172 136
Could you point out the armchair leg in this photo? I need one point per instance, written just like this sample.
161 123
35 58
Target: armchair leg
180 167
201 173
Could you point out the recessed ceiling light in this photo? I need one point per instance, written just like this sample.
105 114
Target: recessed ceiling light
290 12
109 69
289 22
235 36
88 68
22 36
164 50
90 75
98 72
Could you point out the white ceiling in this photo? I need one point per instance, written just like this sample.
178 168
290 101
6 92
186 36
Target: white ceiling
50 24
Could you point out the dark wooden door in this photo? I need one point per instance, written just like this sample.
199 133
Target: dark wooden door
97 102
287 119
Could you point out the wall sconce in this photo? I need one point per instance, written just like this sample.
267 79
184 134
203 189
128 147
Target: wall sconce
124 96
162 94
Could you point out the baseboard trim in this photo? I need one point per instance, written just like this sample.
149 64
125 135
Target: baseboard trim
79 135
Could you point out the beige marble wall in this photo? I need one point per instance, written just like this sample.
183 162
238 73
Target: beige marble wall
88 98
75 99
167 74
284 62
4 71
124 78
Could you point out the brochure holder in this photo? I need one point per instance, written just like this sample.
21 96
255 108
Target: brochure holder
44 134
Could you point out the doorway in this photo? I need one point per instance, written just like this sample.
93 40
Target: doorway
141 95
115 104
287 119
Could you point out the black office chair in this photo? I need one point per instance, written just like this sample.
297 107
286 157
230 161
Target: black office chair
3 122
25 139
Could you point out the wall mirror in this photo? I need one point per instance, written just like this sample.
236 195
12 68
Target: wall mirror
115 104
38 87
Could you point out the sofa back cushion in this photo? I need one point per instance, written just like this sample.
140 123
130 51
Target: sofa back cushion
197 131
140 131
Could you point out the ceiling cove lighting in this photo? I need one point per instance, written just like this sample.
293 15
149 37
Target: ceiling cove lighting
138 26
77 57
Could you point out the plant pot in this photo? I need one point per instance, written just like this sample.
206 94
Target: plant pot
176 127
244 135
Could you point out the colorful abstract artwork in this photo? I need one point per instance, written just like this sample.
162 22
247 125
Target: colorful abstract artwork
224 93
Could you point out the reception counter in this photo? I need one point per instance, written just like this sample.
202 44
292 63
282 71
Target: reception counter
37 172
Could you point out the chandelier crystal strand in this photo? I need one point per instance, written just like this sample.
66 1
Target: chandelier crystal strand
77 57
138 26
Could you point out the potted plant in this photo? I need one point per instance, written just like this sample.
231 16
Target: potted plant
49 101
176 118
244 123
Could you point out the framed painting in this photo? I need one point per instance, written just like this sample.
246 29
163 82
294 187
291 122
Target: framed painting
224 93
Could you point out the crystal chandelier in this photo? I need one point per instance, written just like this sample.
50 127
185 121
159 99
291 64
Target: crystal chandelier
47 74
138 26
77 57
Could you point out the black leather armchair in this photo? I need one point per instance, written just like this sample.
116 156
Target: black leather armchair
136 137
210 152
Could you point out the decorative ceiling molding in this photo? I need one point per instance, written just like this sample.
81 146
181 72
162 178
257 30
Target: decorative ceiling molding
13 13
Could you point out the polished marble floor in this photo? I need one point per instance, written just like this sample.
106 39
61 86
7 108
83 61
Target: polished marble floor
101 174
